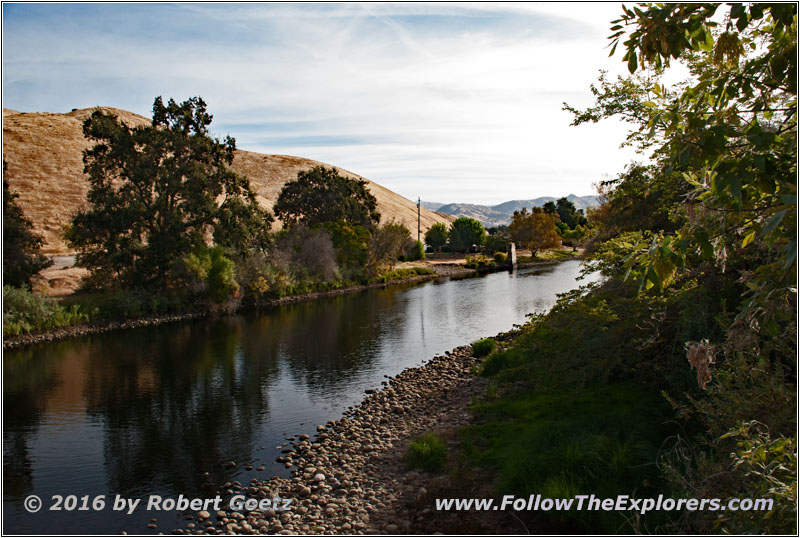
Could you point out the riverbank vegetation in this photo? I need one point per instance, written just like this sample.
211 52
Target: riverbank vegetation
170 228
677 374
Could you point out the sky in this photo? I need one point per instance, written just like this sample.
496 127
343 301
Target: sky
447 102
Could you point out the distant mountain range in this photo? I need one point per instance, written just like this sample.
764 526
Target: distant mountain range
500 214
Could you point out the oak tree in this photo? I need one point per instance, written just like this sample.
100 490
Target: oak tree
159 192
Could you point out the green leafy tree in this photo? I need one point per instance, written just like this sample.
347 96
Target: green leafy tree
550 207
22 256
730 134
724 143
436 236
640 198
322 195
351 242
535 230
568 214
466 232
157 192
576 237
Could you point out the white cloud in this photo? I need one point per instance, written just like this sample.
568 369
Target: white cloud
451 103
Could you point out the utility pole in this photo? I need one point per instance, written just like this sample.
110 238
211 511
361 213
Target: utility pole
419 203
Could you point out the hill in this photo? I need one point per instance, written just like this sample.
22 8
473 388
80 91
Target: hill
500 214
44 153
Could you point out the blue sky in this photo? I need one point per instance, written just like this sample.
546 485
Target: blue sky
453 103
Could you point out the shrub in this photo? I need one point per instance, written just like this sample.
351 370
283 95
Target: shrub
427 452
415 252
496 243
214 273
479 261
386 244
24 311
483 347
500 257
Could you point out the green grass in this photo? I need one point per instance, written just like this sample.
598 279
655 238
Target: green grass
427 452
483 347
602 439
575 405
550 254
402 274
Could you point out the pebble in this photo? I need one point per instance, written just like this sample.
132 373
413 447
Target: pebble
352 478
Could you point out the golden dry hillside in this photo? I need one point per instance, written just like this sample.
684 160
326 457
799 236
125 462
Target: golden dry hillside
43 152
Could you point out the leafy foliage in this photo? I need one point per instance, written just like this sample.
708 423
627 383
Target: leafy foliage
568 214
157 192
214 271
387 242
535 230
415 251
466 232
25 312
731 134
351 242
717 208
321 195
436 236
21 246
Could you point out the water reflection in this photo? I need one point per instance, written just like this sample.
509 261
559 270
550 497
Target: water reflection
151 410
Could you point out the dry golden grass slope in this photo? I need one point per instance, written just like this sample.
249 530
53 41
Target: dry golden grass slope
44 155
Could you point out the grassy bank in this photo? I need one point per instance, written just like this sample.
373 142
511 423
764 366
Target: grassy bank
597 397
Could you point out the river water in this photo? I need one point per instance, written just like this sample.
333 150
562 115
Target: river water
150 411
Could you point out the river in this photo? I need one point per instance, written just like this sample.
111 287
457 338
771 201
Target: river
166 410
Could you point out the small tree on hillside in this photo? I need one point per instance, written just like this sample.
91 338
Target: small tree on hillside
465 232
535 230
157 192
21 246
436 236
321 195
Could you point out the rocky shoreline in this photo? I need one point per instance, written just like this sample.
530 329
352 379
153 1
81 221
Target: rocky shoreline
352 477
74 331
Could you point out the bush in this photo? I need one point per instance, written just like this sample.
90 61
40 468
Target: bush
386 244
24 311
483 347
500 257
427 452
479 261
415 252
496 243
214 273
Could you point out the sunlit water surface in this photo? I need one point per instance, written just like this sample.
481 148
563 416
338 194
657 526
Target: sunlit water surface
150 410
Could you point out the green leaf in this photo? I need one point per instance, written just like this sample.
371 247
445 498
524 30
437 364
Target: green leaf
632 62
773 223
702 238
